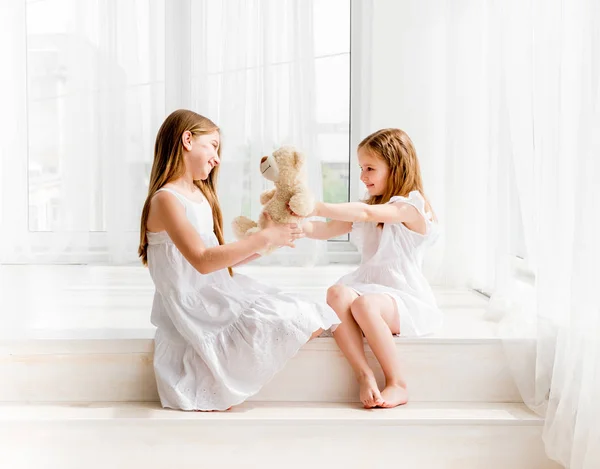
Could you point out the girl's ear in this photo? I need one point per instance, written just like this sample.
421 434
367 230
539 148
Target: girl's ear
186 140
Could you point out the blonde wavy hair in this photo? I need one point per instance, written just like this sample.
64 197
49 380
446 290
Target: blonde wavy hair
396 148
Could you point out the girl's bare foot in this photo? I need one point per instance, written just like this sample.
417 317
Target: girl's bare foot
369 392
394 395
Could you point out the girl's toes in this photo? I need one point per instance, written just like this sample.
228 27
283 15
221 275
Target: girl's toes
370 403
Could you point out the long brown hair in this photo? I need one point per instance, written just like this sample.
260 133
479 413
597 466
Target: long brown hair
169 165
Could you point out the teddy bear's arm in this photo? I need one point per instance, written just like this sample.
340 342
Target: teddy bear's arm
302 203
266 196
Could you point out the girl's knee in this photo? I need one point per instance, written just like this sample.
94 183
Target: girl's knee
361 303
362 308
337 294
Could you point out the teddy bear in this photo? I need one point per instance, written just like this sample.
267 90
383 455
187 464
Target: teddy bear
285 167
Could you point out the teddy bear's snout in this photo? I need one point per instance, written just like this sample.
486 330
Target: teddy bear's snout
263 159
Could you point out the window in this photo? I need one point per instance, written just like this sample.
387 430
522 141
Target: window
332 67
98 87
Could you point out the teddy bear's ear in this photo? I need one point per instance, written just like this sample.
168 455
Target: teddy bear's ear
298 159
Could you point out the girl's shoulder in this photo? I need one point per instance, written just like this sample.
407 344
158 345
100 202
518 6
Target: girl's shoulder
184 197
414 197
165 202
417 200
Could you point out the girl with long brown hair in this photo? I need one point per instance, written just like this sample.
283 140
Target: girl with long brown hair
387 294
219 336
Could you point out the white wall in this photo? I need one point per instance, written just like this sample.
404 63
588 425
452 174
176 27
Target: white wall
431 76
408 87
408 82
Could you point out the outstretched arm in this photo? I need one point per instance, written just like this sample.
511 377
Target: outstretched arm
248 259
361 212
326 230
205 260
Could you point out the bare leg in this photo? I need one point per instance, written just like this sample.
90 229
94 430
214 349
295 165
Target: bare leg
350 341
376 315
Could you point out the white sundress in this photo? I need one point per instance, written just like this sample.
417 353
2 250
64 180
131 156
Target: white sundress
391 262
219 339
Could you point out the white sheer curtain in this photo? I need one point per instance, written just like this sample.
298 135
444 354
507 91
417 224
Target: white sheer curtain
502 99
523 156
553 111
90 78
89 83
524 101
253 72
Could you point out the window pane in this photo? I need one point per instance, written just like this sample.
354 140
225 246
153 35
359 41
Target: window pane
333 150
333 89
96 95
333 117
331 27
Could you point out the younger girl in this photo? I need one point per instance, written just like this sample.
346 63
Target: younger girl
388 293
219 337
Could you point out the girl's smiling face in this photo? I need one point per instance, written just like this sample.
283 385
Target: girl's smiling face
374 172
200 153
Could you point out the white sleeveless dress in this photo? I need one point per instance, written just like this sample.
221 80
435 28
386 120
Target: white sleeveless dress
391 262
219 339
